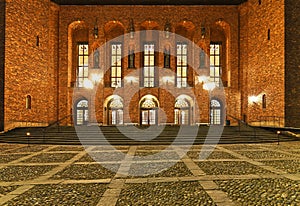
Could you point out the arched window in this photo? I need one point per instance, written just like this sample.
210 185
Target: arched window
83 63
115 111
116 64
215 112
82 112
215 62
181 65
264 101
28 102
182 112
148 108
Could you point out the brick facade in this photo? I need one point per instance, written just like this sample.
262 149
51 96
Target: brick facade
2 59
255 59
262 58
292 62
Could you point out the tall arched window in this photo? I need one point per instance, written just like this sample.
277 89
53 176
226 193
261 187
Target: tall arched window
149 107
115 111
215 112
182 112
181 65
116 64
83 63
82 112
215 62
28 102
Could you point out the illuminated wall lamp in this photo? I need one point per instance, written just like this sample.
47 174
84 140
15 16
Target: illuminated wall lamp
253 99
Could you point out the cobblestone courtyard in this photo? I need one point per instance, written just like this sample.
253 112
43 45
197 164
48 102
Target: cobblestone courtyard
240 174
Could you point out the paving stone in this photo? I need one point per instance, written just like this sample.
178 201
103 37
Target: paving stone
230 168
262 191
61 194
290 166
212 155
163 169
68 148
50 158
162 193
91 171
10 157
19 173
263 154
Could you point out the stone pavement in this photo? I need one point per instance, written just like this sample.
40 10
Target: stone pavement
235 174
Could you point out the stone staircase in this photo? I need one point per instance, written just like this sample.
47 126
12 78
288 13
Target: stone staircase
131 135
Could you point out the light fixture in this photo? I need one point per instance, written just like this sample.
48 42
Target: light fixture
203 79
131 28
88 84
253 99
203 30
95 78
96 30
167 29
209 86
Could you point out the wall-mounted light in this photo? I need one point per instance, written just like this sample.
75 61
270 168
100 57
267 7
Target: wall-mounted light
167 29
96 29
203 30
95 78
203 79
131 28
88 84
131 79
209 86
253 99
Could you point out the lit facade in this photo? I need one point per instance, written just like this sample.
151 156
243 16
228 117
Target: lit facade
148 64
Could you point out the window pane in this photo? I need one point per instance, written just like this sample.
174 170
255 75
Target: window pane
86 72
217 62
212 60
184 72
146 60
152 60
119 72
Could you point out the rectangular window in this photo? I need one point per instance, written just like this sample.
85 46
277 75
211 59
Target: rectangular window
116 64
83 64
149 65
215 63
181 65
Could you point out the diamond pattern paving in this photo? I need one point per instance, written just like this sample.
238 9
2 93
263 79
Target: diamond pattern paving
240 174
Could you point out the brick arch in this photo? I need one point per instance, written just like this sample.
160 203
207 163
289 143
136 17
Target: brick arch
113 29
77 32
149 25
186 29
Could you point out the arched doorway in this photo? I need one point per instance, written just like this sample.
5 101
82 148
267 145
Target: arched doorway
82 112
149 108
216 112
182 112
115 111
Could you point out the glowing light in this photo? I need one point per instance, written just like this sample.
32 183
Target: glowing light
88 84
253 99
203 79
95 78
131 79
209 86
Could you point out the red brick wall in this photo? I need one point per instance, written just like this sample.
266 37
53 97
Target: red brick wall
2 68
158 16
262 60
253 65
292 66
28 71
